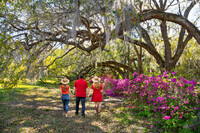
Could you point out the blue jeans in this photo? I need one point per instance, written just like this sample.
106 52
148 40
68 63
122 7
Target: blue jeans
65 101
82 99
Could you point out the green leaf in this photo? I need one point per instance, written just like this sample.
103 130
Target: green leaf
114 11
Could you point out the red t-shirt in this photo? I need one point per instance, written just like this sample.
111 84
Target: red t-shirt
64 92
81 86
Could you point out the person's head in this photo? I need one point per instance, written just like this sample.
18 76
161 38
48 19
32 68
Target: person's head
96 82
81 76
65 82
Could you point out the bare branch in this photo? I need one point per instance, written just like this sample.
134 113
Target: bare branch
60 57
149 48
185 23
170 4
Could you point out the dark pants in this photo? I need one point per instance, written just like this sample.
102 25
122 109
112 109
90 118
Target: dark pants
65 101
82 99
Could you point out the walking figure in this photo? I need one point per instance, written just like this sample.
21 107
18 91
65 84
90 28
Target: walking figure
80 88
97 94
64 94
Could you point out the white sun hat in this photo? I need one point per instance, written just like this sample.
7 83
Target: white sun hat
96 79
65 81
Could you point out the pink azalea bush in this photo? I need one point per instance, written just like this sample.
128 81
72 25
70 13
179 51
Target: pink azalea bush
168 100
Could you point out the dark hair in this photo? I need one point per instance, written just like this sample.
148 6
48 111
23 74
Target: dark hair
81 76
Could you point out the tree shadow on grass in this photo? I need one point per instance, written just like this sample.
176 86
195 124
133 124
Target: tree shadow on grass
42 112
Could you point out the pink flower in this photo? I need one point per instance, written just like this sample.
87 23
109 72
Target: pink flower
167 108
181 117
176 108
167 117
173 80
182 113
163 107
173 73
169 96
181 85
134 74
186 102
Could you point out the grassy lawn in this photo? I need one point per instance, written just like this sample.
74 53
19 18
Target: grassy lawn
38 108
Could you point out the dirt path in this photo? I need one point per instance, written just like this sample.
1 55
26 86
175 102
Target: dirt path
40 110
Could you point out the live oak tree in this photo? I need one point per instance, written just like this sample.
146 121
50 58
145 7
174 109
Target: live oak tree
32 29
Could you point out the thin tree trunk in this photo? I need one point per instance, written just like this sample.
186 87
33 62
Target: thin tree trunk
167 46
140 71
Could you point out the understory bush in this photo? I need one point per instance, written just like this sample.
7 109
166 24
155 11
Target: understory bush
166 99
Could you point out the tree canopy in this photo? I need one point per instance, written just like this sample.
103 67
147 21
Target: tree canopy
32 31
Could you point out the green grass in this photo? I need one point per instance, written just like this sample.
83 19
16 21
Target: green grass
37 108
22 87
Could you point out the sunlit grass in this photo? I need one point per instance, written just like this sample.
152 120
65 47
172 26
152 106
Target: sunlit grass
27 88
50 81
23 85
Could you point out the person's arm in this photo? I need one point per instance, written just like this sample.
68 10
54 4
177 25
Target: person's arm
74 92
88 92
102 90
69 91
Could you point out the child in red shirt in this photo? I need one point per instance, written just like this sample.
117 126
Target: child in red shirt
97 94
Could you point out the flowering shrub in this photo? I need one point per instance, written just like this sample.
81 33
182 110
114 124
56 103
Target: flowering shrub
116 87
168 100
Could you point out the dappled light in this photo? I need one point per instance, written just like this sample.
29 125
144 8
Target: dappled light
40 110
132 64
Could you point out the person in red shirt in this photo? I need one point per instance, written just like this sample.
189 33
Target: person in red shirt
80 89
64 94
97 94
